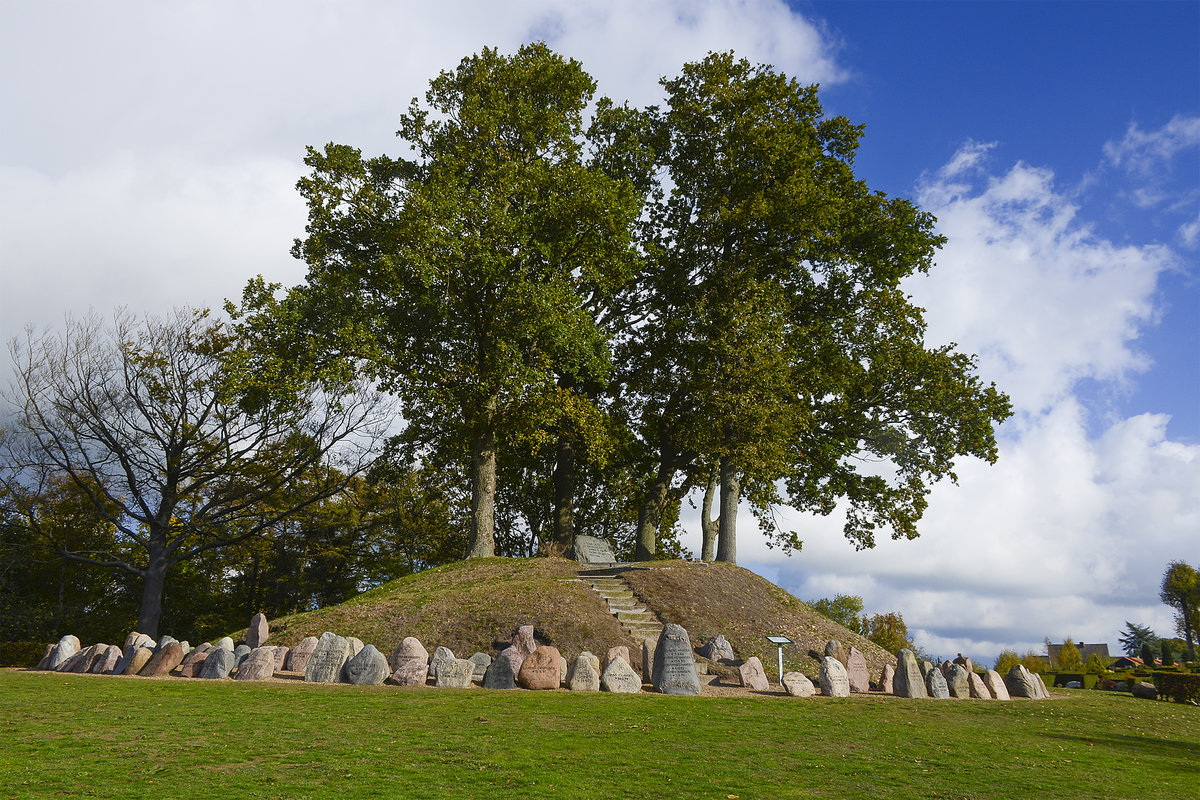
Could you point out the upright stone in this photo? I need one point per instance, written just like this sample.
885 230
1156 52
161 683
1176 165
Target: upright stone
455 674
193 665
165 640
620 651
593 550
325 665
164 660
108 660
45 662
886 677
856 671
137 660
753 675
957 681
976 688
409 663
925 667
81 662
908 681
356 645
798 684
585 673
281 654
524 641
835 649
240 654
1021 683
368 667
674 665
995 685
258 632
513 656
648 661
258 665
481 661
835 682
935 684
441 656
540 669
620 678
218 663
717 649
299 655
66 648
1043 692
500 674
225 643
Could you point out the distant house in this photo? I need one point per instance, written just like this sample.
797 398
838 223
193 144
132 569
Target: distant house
1086 651
1130 662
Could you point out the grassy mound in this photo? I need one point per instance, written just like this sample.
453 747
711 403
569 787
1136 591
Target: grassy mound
476 605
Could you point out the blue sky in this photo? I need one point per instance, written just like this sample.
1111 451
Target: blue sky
149 154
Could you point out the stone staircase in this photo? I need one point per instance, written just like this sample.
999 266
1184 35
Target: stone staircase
640 622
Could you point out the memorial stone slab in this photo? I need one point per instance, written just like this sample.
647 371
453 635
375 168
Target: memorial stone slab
165 659
524 641
908 680
368 667
540 669
1021 683
835 681
256 635
330 655
717 648
66 648
835 649
140 657
443 655
620 678
456 673
674 665
258 665
593 550
648 661
108 661
500 674
976 689
585 673
481 661
753 675
798 684
886 677
958 681
409 663
935 685
410 647
281 653
856 671
620 651
218 663
512 654
193 665
299 655
356 645
995 685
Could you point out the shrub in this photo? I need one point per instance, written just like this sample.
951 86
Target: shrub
21 654
1096 665
1148 656
1069 657
1179 686
1168 657
1006 661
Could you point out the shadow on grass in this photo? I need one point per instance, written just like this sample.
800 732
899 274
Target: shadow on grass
1135 745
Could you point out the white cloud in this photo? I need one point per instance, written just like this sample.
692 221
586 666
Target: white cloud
1146 152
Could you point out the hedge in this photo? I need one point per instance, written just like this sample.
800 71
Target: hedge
1182 687
21 654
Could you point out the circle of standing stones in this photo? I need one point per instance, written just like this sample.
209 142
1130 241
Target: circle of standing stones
669 665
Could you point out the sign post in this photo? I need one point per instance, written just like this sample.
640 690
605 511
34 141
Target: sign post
779 642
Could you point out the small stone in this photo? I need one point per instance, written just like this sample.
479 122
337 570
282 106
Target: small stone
193 665
995 685
717 649
163 661
620 678
258 665
481 661
524 642
1145 690
835 649
240 654
1021 683
798 684
856 671
976 688
455 674
226 643
514 656
935 685
218 663
137 659
620 651
356 645
540 669
753 675
957 681
368 667
443 655
674 665
500 674
886 678
409 663
66 648
585 673
299 655
331 654
908 681
258 632
281 653
835 682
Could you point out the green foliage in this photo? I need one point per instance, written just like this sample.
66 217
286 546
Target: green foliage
1096 665
844 609
1006 661
1069 658
1167 653
1147 655
888 631
1181 591
1179 686
1135 637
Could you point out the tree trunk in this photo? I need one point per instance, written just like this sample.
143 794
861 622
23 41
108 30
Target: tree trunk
483 488
154 581
563 532
649 517
708 525
731 493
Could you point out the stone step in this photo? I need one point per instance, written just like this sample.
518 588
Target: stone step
636 617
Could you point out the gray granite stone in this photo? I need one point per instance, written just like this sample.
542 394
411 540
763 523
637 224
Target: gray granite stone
717 649
218 663
225 643
619 677
456 674
958 681
66 649
835 682
368 667
481 661
798 684
500 674
240 654
330 655
258 665
908 680
585 673
441 656
592 550
674 664
835 649
1021 683
976 688
935 685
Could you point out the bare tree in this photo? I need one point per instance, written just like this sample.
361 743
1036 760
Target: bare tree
179 443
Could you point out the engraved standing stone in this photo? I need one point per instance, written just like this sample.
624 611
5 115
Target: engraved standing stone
540 669
957 681
218 663
620 678
137 660
753 676
258 665
281 653
593 550
856 671
834 680
717 649
886 677
837 650
935 685
455 674
443 655
908 681
674 664
327 660
368 667
620 651
300 654
164 660
976 687
995 685
66 648
409 663
500 674
798 684
513 656
258 632
481 661
585 673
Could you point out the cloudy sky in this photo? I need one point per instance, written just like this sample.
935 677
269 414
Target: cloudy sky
148 154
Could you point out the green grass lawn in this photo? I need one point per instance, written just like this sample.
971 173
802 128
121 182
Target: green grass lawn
85 736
